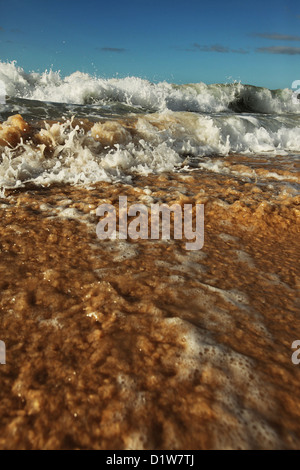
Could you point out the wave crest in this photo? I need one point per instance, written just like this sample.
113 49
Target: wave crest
82 88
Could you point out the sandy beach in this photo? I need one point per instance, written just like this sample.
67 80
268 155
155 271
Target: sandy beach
141 344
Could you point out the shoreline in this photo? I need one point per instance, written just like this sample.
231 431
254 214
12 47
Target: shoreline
142 344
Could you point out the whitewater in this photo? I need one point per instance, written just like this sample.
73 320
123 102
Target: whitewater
142 127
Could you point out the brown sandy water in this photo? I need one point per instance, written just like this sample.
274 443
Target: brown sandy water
143 344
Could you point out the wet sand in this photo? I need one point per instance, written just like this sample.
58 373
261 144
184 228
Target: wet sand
143 344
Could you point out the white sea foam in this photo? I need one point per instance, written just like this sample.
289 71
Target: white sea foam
82 88
160 142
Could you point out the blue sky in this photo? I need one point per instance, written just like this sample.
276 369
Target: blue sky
256 42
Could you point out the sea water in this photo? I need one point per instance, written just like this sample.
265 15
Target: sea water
143 344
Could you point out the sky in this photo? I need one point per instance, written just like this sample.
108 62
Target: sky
186 41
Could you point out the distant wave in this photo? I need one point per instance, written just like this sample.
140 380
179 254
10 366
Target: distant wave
133 92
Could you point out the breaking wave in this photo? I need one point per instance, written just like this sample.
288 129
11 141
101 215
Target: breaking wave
133 92
83 152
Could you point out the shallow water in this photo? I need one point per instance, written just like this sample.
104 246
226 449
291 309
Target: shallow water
142 344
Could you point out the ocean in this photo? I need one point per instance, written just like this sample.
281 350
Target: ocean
141 343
